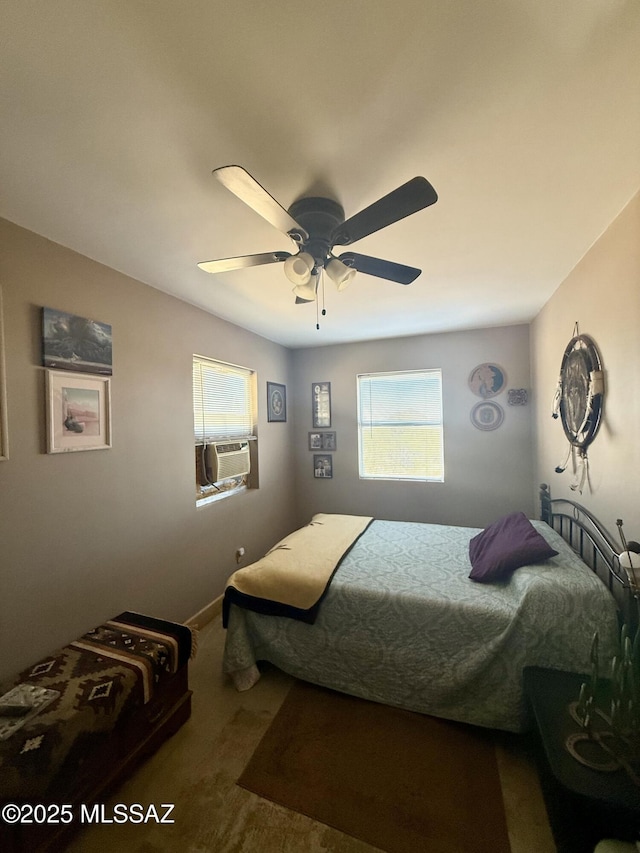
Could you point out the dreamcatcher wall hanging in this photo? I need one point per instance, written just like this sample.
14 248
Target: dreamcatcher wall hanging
578 402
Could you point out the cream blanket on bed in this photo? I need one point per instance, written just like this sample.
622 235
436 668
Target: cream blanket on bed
297 570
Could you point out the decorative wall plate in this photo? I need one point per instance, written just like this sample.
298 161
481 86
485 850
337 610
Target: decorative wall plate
487 415
487 380
517 396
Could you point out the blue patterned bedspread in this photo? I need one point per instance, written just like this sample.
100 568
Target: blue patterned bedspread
402 624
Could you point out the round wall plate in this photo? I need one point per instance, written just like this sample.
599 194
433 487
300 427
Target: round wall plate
487 380
487 415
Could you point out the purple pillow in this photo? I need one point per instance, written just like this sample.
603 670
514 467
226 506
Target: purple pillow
504 546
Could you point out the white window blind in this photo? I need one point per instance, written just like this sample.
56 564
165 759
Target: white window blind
400 434
222 400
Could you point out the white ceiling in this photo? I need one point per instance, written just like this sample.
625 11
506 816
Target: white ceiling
523 114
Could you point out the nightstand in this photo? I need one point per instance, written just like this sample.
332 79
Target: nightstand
584 805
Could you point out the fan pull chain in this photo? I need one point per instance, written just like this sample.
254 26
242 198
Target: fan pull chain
324 310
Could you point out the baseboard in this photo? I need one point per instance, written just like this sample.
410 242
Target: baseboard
207 614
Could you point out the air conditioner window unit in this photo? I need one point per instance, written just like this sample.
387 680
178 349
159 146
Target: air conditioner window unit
227 459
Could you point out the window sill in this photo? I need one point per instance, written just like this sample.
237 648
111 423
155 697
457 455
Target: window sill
210 499
372 478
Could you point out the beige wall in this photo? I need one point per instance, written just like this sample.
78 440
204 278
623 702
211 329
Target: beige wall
86 535
486 473
602 294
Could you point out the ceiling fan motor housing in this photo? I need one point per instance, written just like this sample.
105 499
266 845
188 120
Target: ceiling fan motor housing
320 217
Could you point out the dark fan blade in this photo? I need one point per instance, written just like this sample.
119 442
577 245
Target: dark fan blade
415 195
248 190
382 269
227 264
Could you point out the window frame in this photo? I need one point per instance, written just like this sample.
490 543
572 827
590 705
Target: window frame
204 435
432 465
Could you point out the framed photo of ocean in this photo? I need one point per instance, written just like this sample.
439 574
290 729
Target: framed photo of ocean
76 343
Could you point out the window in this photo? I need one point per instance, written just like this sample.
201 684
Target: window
400 435
223 418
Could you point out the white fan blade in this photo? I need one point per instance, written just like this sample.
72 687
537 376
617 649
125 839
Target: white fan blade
247 189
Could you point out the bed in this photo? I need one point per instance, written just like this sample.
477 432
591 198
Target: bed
400 621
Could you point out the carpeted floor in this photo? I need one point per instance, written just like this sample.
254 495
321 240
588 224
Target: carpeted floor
398 780
198 769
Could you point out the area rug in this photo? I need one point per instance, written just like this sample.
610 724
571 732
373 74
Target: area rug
394 779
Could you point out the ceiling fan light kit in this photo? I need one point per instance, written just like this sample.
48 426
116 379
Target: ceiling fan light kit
316 225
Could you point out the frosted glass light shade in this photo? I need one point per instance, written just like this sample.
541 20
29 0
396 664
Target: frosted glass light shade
340 273
307 292
298 268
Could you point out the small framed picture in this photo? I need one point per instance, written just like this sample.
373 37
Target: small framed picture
323 466
78 412
315 441
328 441
276 402
322 441
321 404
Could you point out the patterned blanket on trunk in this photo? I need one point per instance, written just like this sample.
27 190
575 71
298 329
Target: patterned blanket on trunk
91 685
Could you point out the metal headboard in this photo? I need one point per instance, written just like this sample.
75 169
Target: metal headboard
596 546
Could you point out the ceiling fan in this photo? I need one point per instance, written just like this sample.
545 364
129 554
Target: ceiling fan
317 226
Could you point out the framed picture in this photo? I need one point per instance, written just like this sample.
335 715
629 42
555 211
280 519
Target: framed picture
78 412
276 402
323 466
315 441
4 434
321 404
328 441
75 343
322 441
